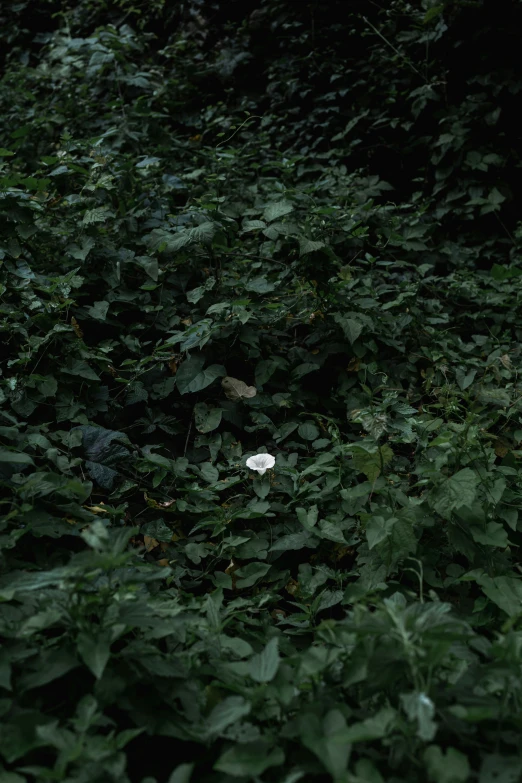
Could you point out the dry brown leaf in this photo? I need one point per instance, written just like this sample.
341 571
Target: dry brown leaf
76 326
150 543
96 509
236 389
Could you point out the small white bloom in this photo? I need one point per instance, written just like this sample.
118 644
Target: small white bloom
261 462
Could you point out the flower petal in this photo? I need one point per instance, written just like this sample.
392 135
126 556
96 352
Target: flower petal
261 463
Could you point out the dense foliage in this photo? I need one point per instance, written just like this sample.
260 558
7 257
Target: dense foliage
279 228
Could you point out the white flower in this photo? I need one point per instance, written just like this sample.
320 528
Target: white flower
261 462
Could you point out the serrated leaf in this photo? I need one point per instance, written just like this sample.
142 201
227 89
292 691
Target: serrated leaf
378 529
456 491
95 651
351 328
249 759
105 452
226 713
294 541
277 210
504 591
309 246
167 242
370 463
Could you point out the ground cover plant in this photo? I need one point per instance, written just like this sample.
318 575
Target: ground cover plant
260 406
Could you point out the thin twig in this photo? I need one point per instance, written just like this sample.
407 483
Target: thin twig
188 435
388 43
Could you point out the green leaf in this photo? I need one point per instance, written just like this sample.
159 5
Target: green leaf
191 377
449 766
456 491
351 328
251 573
420 708
181 774
167 242
500 769
50 666
370 462
209 472
227 712
308 431
308 518
207 419
95 650
494 534
260 285
293 541
158 529
328 741
98 311
249 759
5 669
96 215
81 369
378 529
106 451
263 666
277 210
309 246
504 591
15 458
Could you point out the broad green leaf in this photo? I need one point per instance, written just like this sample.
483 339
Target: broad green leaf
105 451
371 463
15 458
207 419
276 210
81 369
500 768
308 431
249 759
420 709
227 712
49 667
351 328
446 766
182 773
191 377
494 534
158 529
378 529
293 541
209 472
249 574
504 591
307 517
456 491
309 245
95 650
328 740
